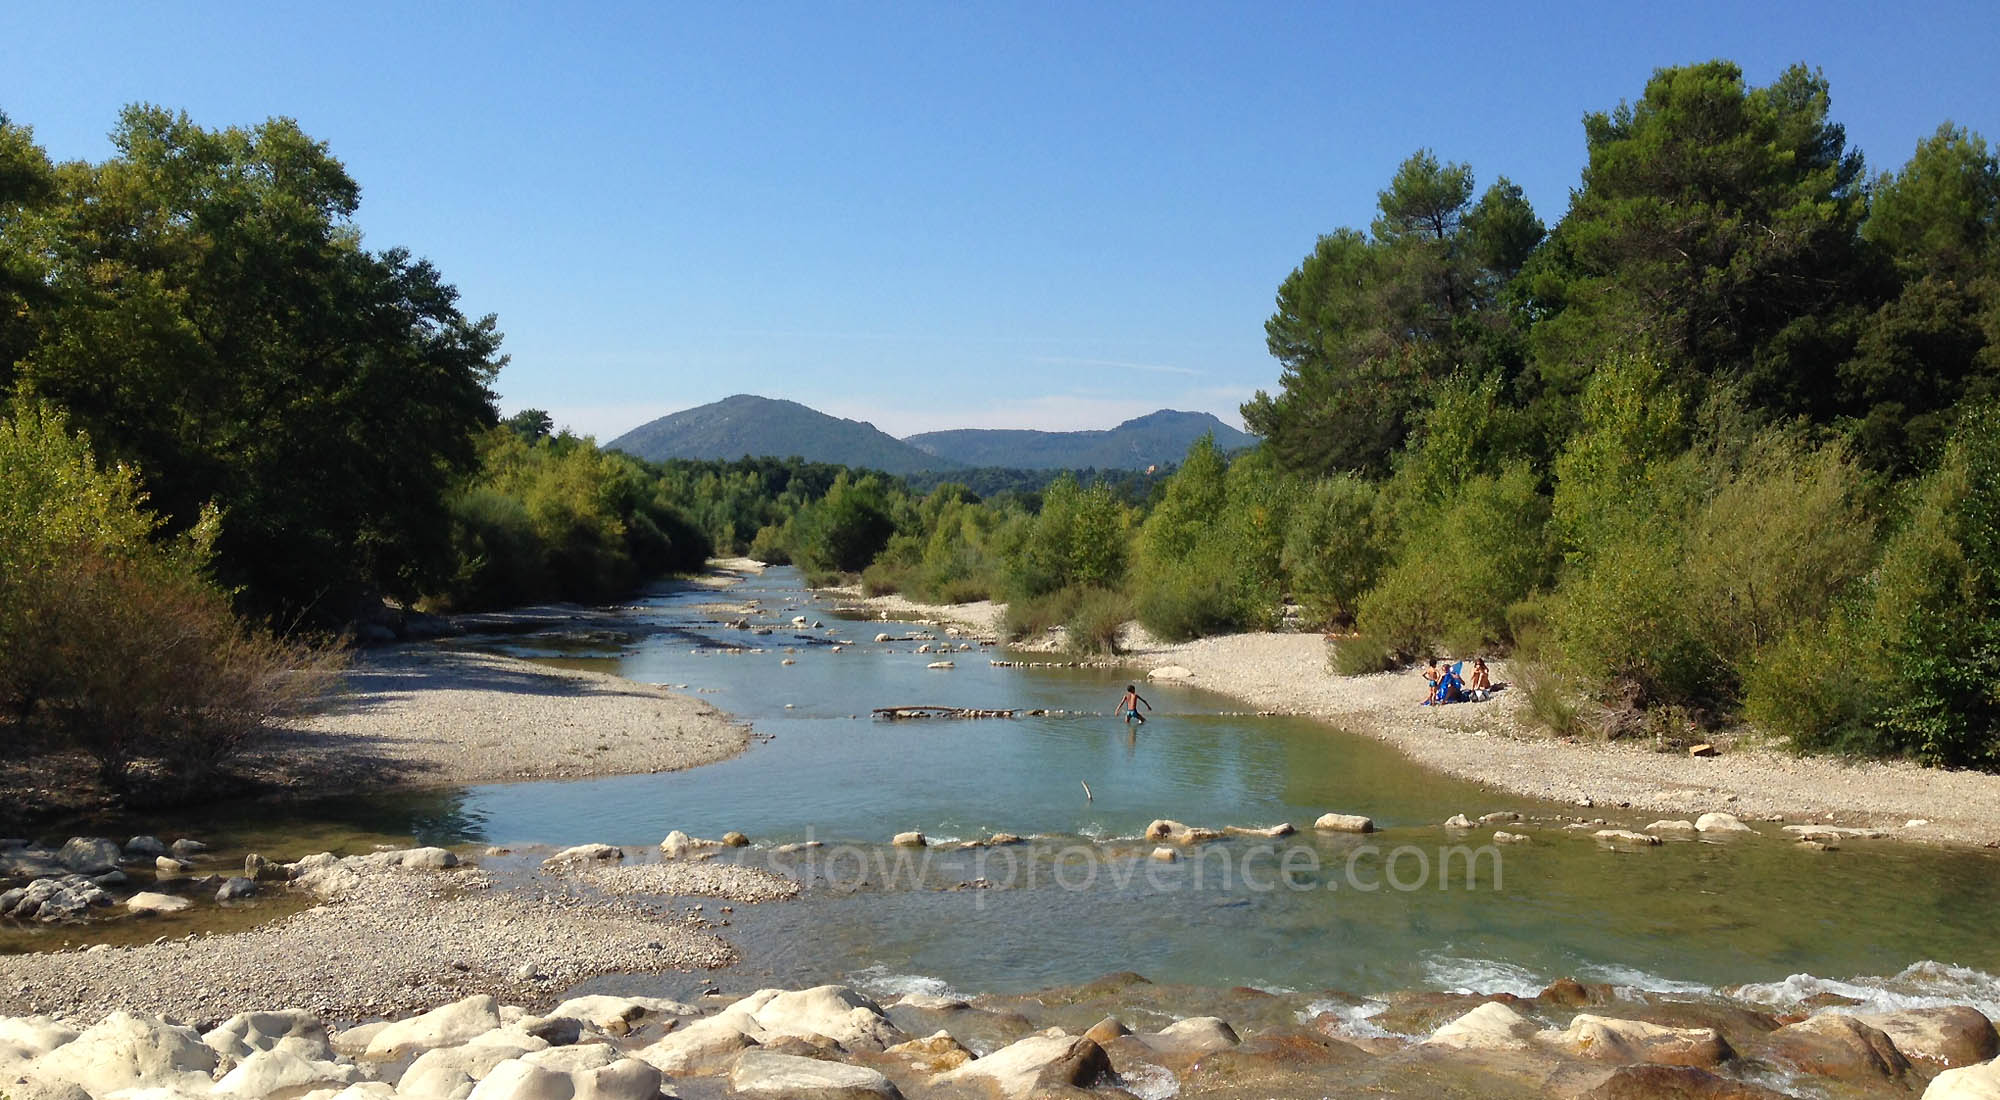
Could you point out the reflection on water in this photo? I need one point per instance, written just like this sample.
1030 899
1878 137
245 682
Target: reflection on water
1689 913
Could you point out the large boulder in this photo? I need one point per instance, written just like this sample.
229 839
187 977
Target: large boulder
1607 1039
1842 1047
446 1025
268 1071
1174 832
618 1014
575 1059
1051 1058
25 1037
1195 1035
69 897
1719 823
451 1073
1651 1082
293 1030
1345 823
517 1080
1951 1036
1981 1082
142 848
147 902
833 1011
584 853
128 1051
1491 1026
786 1077
933 1054
704 1047
89 855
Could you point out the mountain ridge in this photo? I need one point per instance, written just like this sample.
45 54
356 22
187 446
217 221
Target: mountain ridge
746 424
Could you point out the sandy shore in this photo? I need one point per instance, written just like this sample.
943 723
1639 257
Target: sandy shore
423 716
1489 742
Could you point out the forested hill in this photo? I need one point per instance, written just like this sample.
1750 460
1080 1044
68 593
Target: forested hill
766 427
1157 439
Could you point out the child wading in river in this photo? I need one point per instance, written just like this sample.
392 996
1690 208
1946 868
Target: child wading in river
1128 707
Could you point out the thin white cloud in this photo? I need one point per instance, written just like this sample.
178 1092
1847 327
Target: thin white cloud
1155 368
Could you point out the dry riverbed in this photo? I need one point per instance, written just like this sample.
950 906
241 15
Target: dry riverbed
420 715
1491 743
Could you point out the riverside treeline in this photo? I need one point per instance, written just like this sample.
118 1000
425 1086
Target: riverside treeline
1719 443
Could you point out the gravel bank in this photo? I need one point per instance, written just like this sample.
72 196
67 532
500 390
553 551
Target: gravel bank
419 715
701 879
396 942
1489 743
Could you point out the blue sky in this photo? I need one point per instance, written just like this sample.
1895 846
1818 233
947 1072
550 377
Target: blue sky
929 215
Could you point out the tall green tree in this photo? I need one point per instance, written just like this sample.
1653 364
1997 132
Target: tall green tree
1716 222
1370 321
211 315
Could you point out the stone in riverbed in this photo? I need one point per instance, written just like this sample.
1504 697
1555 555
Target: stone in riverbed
445 1025
1104 1031
1833 1045
186 848
25 1037
677 845
1170 830
620 1013
1345 823
168 865
1491 1026
148 902
584 853
1671 827
144 847
89 855
236 889
293 1030
1981 1082
1283 828
760 1073
1626 836
933 1054
1502 836
1049 1059
1606 1039
734 839
1165 855
269 1071
910 840
129 1051
1956 1035
1194 1035
1717 822
1458 821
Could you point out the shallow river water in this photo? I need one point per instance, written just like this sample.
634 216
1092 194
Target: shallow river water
1397 909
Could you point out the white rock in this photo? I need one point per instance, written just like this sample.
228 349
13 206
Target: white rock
702 1046
1165 855
1626 836
1345 823
678 844
446 1025
599 1010
1491 1026
573 1059
1171 672
1502 836
910 840
833 1011
25 1037
1980 1082
1014 1068
294 1030
168 865
1608 1039
584 853
267 1071
1196 1034
354 1041
941 664
147 901
1458 821
125 1051
1833 832
518 1080
449 1073
625 1079
1671 827
1718 822
786 1076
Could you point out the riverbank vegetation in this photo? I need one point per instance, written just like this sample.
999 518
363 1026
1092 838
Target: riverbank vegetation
1720 442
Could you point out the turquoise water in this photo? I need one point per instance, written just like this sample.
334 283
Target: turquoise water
1311 912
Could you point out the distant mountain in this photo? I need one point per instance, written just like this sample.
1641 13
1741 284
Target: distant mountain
1156 439
762 426
766 427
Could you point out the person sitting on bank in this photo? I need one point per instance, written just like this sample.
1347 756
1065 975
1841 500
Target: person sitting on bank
1480 685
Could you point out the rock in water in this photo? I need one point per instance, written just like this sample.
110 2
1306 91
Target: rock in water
910 840
236 889
1345 823
89 855
1720 823
148 902
1626 836
1491 1026
788 1077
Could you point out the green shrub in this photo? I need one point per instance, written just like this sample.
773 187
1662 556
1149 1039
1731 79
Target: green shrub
1078 538
771 545
962 590
1097 622
1033 616
113 644
884 578
1552 703
1332 552
1461 567
1362 655
1191 598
